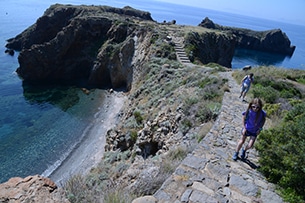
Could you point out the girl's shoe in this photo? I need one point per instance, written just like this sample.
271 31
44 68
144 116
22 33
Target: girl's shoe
243 154
235 156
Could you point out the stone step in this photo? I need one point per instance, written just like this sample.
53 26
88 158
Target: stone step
209 174
180 52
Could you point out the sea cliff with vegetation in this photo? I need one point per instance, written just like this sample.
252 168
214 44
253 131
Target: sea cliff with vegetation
176 79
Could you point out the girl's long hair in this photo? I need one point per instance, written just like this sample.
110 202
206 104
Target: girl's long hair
258 102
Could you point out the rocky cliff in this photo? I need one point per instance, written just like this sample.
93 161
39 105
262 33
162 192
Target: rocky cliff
103 46
274 41
210 47
94 44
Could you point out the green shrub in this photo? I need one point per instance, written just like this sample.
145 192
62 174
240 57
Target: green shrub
295 113
190 48
134 135
166 50
267 93
282 154
154 38
217 67
284 89
272 109
178 153
118 196
301 80
295 102
138 117
207 81
204 114
187 123
77 191
210 93
188 103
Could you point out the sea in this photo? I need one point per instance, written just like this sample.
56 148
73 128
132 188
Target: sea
41 126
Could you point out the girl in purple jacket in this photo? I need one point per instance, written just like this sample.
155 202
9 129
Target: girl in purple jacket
253 121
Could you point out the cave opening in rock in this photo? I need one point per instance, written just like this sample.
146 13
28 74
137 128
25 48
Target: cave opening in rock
149 149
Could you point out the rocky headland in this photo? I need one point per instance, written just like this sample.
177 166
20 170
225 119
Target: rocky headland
125 49
105 46
273 41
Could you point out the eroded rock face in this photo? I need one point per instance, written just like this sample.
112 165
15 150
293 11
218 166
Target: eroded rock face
212 47
69 44
31 189
274 41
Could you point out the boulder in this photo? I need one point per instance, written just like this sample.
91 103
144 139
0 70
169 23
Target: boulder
10 52
145 199
247 67
31 189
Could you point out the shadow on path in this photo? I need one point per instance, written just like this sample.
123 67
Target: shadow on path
251 164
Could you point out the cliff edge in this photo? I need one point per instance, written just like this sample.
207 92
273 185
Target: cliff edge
101 46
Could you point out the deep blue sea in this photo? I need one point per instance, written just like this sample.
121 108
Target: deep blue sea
40 126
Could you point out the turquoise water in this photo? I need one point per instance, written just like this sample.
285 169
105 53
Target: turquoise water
39 126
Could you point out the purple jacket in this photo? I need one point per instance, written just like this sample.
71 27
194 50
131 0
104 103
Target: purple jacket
250 123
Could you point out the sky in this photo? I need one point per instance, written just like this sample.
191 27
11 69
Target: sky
292 11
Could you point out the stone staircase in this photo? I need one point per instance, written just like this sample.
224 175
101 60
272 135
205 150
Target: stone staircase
179 48
181 55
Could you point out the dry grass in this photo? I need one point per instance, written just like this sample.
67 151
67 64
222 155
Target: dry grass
77 190
195 90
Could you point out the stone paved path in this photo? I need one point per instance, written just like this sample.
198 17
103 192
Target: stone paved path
180 52
209 174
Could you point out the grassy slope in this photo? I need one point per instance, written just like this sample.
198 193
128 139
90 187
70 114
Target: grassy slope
166 85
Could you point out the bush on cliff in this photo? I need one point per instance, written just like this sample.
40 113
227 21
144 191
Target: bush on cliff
273 84
282 146
282 154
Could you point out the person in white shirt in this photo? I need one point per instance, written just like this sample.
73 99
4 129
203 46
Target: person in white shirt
245 85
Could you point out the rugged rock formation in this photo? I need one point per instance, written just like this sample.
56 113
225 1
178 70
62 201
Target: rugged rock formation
212 47
102 46
10 52
31 189
68 43
148 143
274 41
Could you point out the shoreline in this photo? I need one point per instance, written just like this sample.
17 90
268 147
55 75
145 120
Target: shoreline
90 150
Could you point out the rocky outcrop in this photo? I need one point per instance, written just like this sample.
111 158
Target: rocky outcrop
274 41
68 43
31 189
210 47
149 142
103 46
